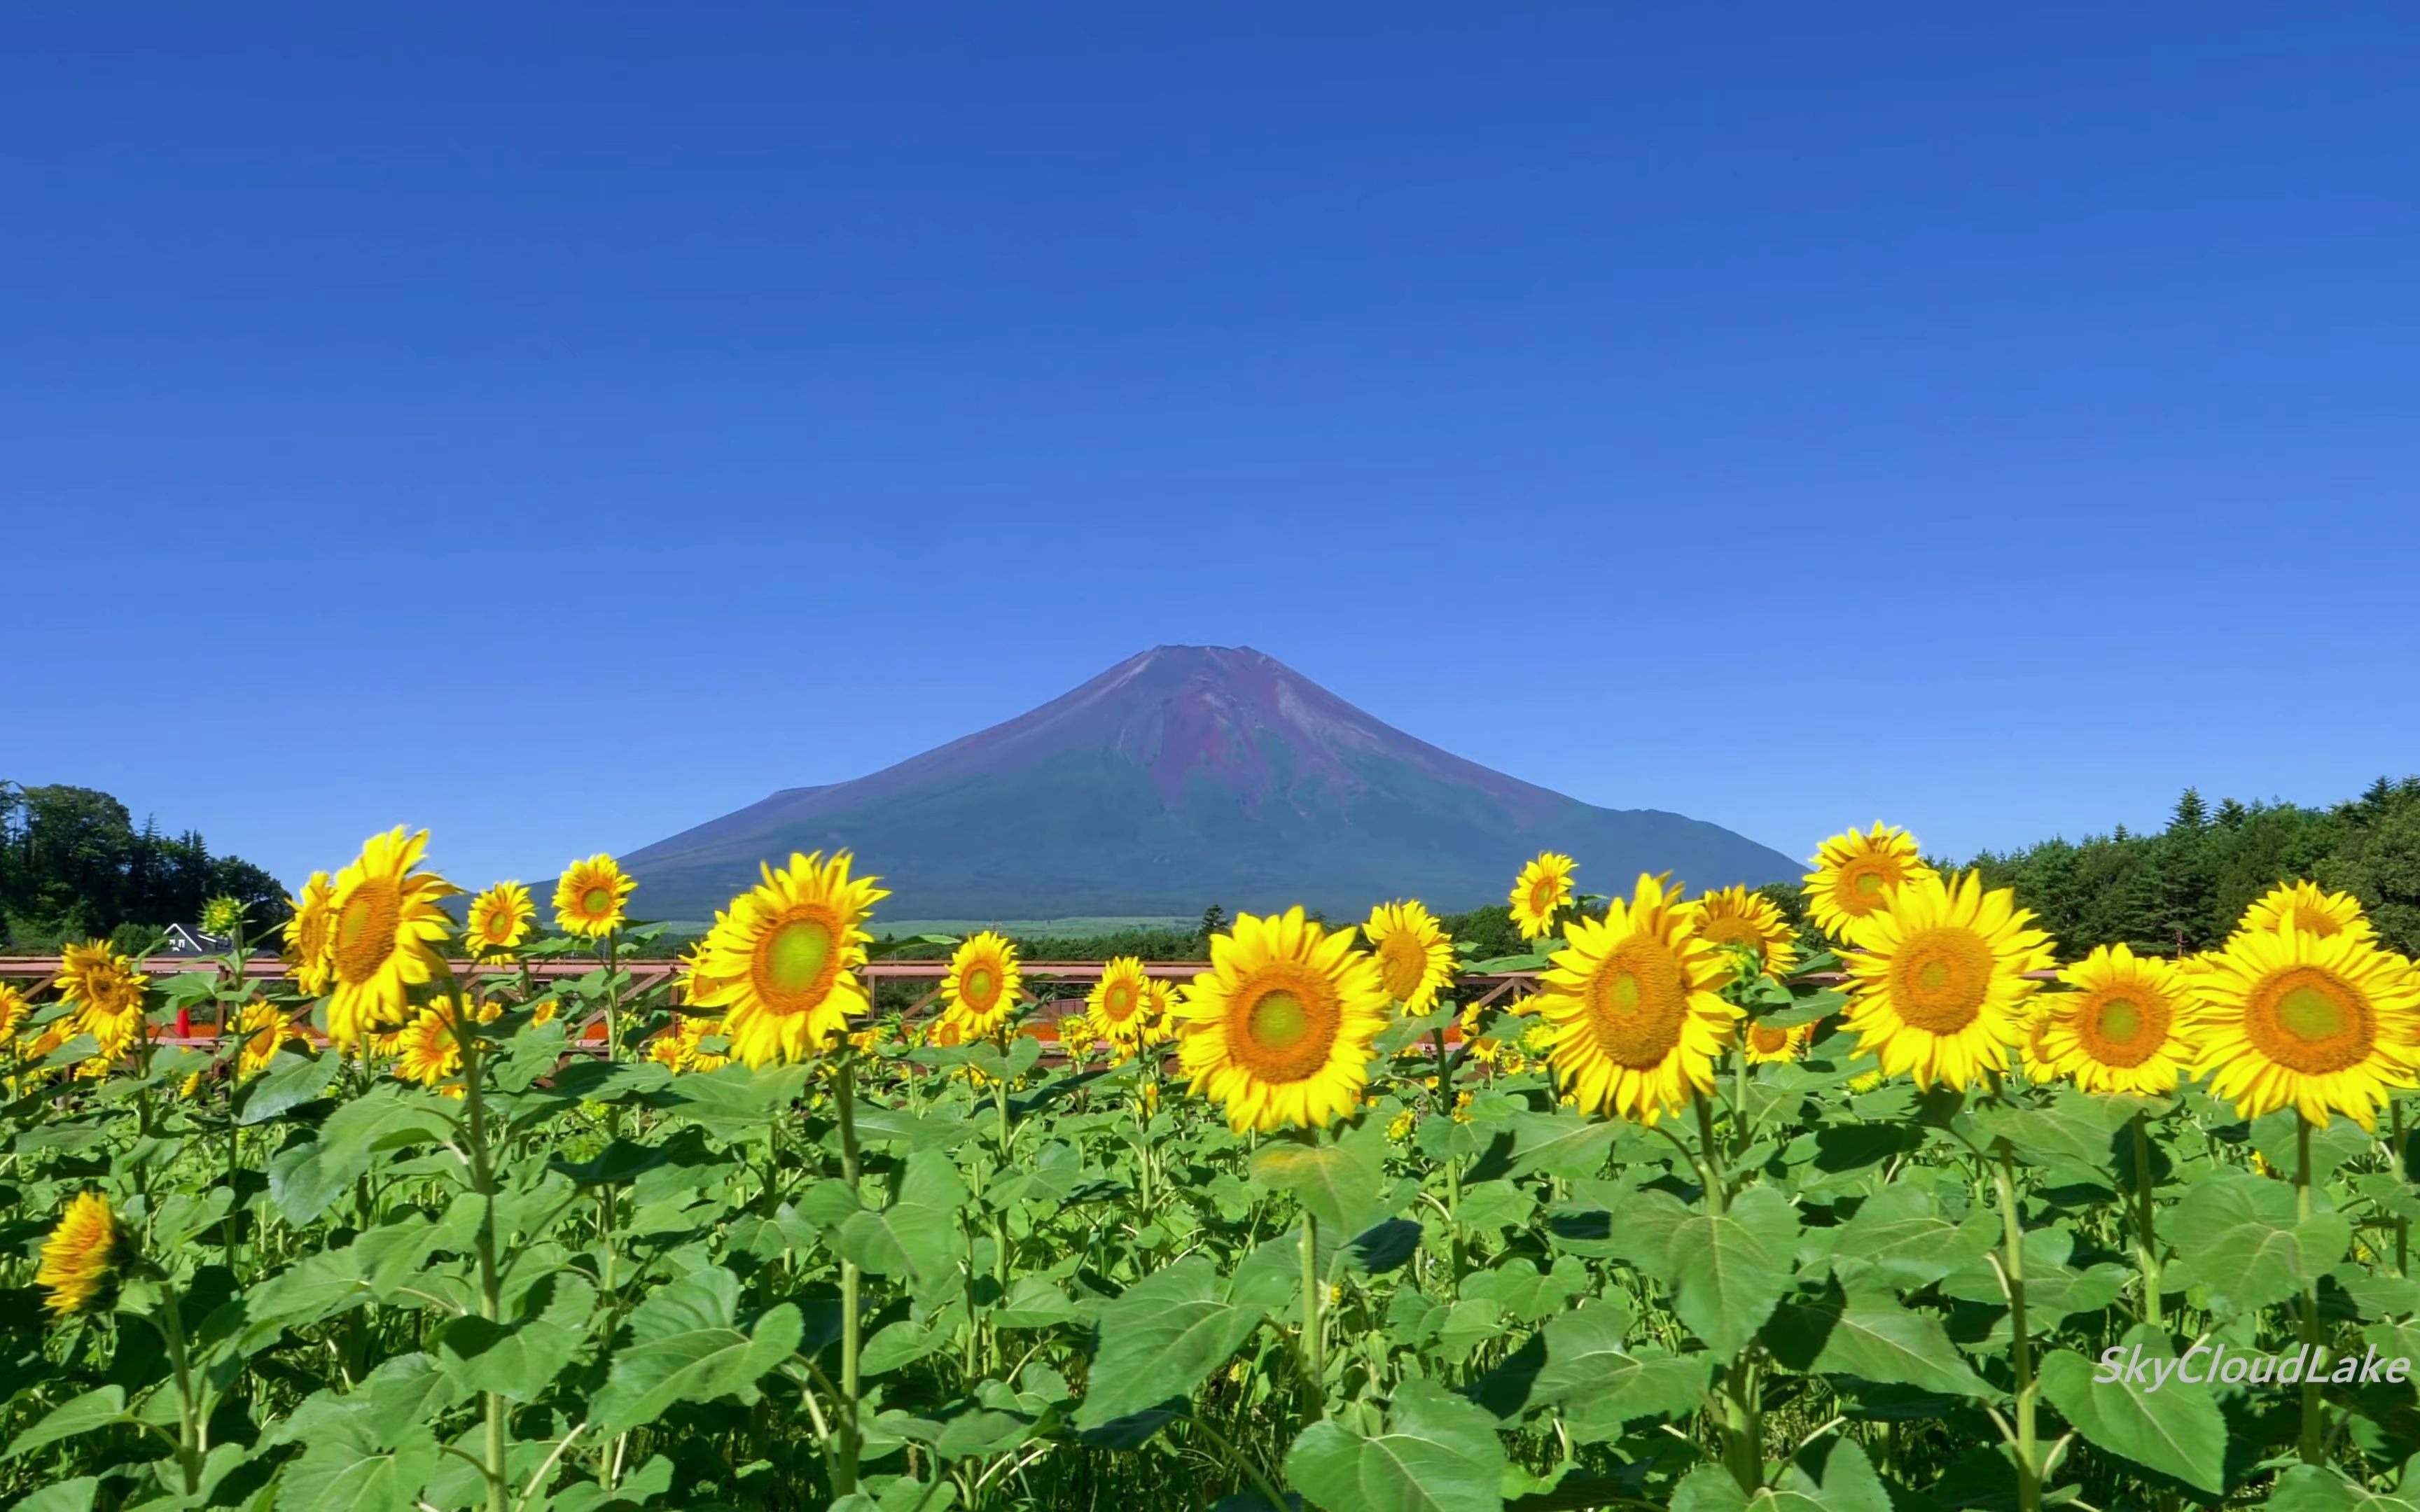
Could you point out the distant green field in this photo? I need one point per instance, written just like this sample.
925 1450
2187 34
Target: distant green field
1087 924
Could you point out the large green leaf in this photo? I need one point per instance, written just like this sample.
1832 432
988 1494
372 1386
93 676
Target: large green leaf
1437 1453
1161 1338
1873 1338
291 1080
1602 1384
1731 1270
1560 1144
520 1360
686 1346
102 1407
916 1236
1849 1484
1898 1238
2175 1428
2314 1489
2238 1234
1338 1184
305 1178
347 1467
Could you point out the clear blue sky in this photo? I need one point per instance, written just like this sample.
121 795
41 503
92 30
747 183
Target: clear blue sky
558 425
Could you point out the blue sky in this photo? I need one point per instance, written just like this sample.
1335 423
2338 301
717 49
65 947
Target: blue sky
560 426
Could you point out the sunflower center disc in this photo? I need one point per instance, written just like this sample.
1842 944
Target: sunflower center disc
1944 975
978 988
1766 1041
1401 962
2120 1020
2313 921
2308 1021
1279 1020
366 930
794 959
1868 885
1637 1002
1542 895
598 901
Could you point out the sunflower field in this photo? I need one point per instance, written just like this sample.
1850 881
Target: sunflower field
1685 1210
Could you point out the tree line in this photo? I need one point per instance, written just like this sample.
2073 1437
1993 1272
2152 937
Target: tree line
73 866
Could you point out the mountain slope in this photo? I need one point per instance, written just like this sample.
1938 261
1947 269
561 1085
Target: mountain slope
1180 778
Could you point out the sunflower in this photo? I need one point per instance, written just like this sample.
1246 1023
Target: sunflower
108 995
1544 886
1939 988
12 1010
265 1029
2310 908
1735 915
2319 1023
1076 1035
983 986
545 1012
1855 874
1118 1005
783 960
1766 1045
310 933
2122 1029
692 981
588 897
1414 958
426 1050
1632 999
80 1254
1280 1028
386 932
500 919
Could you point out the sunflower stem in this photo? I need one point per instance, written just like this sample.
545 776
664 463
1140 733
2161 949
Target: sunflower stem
2004 1176
2312 1445
2402 1168
1444 1093
844 1103
171 1329
1710 1168
1314 1353
2146 1235
482 1182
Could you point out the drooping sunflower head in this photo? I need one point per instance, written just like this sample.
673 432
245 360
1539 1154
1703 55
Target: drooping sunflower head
1278 1029
783 960
264 1029
81 1256
223 914
589 895
984 984
2323 1023
2308 907
1544 887
1118 1005
1856 874
1633 1003
2124 1028
1158 1013
1939 987
311 934
109 995
1734 915
499 919
426 1050
1414 958
387 934
1766 1045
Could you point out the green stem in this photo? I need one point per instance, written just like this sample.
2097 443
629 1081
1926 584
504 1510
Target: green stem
2403 1169
1315 1352
483 1182
2145 1233
1709 1167
2312 1445
844 1102
172 1328
2004 1176
1444 1096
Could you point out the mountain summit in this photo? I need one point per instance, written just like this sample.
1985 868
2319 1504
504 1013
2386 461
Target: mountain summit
1180 778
